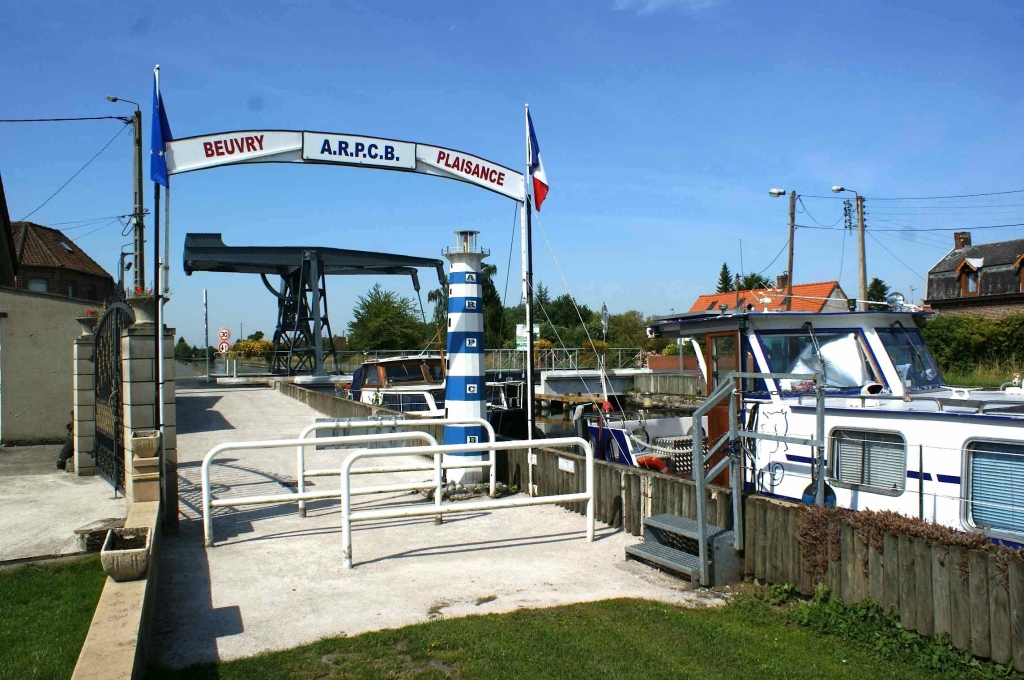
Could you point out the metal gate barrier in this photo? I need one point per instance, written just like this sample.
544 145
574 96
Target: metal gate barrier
108 453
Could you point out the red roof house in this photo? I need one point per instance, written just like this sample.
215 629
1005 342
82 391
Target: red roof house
825 296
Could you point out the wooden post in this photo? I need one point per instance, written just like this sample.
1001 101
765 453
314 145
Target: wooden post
875 574
981 641
908 593
772 523
1017 612
848 563
793 555
959 598
999 612
749 537
940 589
835 555
923 583
890 572
761 530
860 576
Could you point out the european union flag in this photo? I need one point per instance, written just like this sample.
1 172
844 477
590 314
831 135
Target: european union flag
161 134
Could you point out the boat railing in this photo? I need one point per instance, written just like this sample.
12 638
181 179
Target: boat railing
979 406
704 468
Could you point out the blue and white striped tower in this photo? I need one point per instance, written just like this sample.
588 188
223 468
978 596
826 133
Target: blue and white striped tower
465 384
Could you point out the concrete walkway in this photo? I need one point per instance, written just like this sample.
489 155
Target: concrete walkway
41 506
275 580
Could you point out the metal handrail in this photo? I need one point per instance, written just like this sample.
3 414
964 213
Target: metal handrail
437 509
393 422
209 503
730 388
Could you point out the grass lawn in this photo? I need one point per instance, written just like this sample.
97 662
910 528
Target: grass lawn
45 613
610 639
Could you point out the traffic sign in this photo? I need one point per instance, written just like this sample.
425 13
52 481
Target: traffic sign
224 334
223 347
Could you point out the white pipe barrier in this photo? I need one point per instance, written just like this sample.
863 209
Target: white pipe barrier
348 516
303 473
209 504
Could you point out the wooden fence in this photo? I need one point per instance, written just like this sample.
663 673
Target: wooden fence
935 588
667 383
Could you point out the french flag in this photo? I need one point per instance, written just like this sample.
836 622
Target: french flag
540 179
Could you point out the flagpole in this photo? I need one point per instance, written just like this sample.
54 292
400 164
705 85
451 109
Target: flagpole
158 332
526 245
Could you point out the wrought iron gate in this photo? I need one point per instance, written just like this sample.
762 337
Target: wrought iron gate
108 452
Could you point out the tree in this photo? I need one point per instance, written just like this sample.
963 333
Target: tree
724 280
541 295
628 329
258 335
562 311
754 281
878 291
384 320
182 350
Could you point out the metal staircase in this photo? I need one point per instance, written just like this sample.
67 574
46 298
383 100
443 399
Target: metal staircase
708 554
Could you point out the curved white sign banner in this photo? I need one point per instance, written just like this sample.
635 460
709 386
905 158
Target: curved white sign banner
290 146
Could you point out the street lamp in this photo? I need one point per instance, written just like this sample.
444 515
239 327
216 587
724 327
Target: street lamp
862 303
776 193
136 123
122 268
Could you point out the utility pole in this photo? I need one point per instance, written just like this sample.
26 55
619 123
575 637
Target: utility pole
140 209
206 334
863 302
789 269
140 249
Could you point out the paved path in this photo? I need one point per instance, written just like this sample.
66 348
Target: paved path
41 506
275 580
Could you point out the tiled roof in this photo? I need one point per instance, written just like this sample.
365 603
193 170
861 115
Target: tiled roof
992 254
807 297
39 246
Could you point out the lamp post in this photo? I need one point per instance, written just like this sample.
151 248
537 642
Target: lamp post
775 193
862 302
122 268
136 123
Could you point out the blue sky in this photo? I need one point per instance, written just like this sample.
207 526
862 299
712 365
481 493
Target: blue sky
663 123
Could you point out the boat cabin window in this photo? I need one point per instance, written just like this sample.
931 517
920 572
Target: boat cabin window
995 483
372 377
910 356
876 460
438 396
843 359
401 372
406 402
435 370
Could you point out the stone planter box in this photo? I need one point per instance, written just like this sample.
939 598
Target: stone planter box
144 307
145 443
125 553
88 324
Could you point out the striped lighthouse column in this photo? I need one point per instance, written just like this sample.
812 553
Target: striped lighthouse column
465 382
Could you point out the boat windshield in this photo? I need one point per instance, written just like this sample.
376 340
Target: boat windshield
910 356
842 359
400 372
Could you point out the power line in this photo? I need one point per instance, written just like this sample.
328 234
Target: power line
59 120
921 198
908 267
808 213
102 226
936 229
784 246
91 219
77 172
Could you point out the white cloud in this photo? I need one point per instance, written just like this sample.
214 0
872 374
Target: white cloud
651 6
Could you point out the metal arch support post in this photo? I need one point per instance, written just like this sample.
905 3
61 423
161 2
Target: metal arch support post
735 468
301 473
280 444
436 509
819 434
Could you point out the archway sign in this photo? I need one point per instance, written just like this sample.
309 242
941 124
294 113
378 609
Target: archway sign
292 146
328 148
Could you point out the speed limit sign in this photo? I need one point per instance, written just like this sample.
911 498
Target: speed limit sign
224 334
223 347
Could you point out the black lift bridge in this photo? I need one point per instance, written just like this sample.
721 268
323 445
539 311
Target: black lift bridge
303 330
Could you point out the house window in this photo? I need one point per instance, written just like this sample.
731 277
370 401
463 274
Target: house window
872 459
995 492
39 285
71 290
969 282
711 306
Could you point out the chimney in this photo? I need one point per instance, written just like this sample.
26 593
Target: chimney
782 281
961 239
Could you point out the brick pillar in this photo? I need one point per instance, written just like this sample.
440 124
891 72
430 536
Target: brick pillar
142 475
84 404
